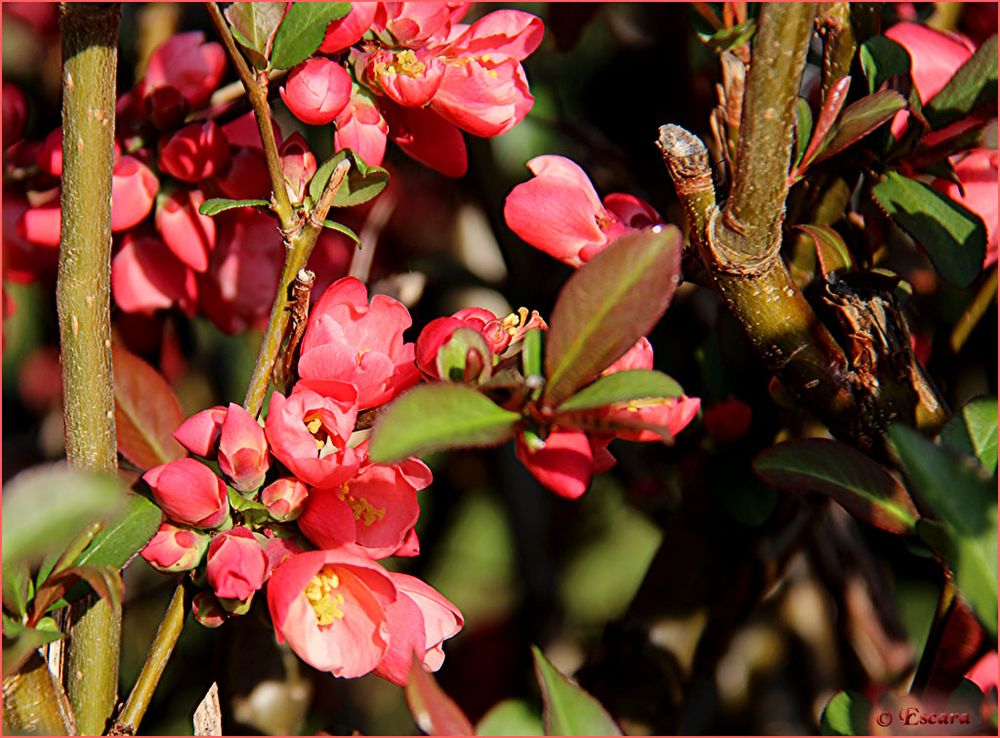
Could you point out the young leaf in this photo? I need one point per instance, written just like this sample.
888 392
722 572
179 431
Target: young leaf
434 711
863 487
973 431
860 119
633 384
24 643
847 713
302 31
832 104
254 25
362 183
45 507
964 498
803 127
124 536
881 59
146 412
342 229
510 717
952 235
216 205
834 256
569 710
974 85
730 38
436 416
16 586
607 305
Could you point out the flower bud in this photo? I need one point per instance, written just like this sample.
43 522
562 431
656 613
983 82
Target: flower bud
347 31
317 90
199 434
284 498
298 164
195 152
189 493
188 64
243 456
236 565
207 610
175 549
133 191
362 129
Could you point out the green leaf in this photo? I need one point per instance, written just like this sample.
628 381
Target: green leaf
16 586
216 205
730 38
974 85
45 507
362 183
624 386
24 643
531 353
147 412
834 256
957 491
821 466
803 127
254 25
433 711
952 235
881 59
437 416
973 431
510 717
302 31
342 229
607 305
124 536
569 710
847 713
860 119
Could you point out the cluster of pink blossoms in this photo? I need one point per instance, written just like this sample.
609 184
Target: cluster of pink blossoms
301 509
418 77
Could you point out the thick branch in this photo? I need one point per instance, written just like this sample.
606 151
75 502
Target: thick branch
83 295
31 703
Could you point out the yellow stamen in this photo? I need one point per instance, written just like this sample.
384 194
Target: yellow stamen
321 592
363 510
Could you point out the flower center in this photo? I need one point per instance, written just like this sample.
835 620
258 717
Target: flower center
325 443
405 62
321 592
363 510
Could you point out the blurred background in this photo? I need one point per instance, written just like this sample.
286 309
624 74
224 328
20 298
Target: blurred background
684 593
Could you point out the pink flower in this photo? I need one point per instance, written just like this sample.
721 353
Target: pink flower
934 55
146 277
563 465
420 620
243 456
984 673
484 90
175 549
14 113
330 607
244 133
347 31
284 498
50 154
362 129
308 433
413 24
199 434
560 213
349 340
376 509
407 77
317 90
298 165
977 171
133 190
246 176
188 64
195 152
189 493
236 565
428 138
187 233
41 225
440 330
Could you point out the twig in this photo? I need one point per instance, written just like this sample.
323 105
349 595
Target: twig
31 704
83 298
298 315
156 661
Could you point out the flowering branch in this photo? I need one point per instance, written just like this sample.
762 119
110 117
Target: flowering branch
83 299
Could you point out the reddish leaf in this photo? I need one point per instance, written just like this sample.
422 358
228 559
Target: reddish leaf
434 711
610 303
833 253
860 119
827 117
146 412
106 581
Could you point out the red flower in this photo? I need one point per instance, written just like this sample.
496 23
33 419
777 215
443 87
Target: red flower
362 129
186 232
440 330
188 64
564 464
199 434
413 24
14 113
236 565
317 90
284 498
330 607
189 493
427 137
175 549
977 171
420 620
349 340
133 191
243 456
728 421
347 31
308 433
408 77
195 152
146 277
